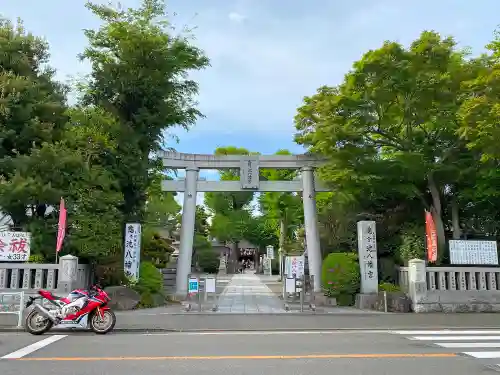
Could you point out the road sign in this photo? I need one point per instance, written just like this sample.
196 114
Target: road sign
193 285
270 252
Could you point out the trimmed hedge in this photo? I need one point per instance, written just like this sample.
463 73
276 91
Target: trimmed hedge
340 277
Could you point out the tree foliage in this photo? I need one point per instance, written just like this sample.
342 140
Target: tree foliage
100 154
139 75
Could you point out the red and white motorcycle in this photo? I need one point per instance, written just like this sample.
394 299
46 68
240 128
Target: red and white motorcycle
80 309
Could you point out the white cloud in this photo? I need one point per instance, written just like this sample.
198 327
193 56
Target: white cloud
236 17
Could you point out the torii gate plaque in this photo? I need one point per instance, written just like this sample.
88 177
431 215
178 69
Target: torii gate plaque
249 180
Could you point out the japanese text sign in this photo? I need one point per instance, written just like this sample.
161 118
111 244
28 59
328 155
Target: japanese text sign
132 250
270 252
367 250
294 266
15 246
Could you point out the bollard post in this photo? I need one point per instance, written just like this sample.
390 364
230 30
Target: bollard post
21 309
312 298
302 291
385 301
199 295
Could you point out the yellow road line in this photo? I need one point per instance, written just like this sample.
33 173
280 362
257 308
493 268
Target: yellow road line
233 357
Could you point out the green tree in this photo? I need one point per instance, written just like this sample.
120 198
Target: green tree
480 113
32 108
72 169
161 219
479 116
162 210
201 224
230 210
286 208
392 124
139 75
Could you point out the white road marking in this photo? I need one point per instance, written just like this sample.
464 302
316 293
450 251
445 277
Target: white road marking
455 345
33 347
454 338
483 355
448 332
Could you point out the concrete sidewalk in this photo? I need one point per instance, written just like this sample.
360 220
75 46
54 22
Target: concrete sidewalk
247 293
166 319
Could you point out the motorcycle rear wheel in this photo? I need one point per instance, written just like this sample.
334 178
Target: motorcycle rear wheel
44 324
103 325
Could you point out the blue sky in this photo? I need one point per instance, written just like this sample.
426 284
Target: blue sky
266 55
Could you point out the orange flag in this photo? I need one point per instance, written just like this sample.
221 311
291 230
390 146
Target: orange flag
431 234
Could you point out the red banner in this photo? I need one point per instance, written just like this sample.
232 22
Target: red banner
61 230
431 234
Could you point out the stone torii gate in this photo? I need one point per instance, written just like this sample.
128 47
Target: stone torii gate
249 181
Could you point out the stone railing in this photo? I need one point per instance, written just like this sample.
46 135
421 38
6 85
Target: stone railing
451 289
456 278
31 277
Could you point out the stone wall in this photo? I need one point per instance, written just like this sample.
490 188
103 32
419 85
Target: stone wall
459 302
451 289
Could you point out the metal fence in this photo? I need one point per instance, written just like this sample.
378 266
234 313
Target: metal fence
298 293
202 292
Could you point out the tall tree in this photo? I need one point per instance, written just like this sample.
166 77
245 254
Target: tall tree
140 75
230 210
285 207
32 108
392 124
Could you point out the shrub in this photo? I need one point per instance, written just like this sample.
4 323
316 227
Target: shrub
275 266
340 277
146 300
388 287
150 279
208 260
412 243
36 258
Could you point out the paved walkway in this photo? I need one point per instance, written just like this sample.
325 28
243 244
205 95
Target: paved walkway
246 293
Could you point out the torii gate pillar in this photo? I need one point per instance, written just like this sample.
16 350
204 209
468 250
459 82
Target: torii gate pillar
187 230
311 226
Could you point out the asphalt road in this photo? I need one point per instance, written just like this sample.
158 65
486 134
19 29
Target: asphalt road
245 353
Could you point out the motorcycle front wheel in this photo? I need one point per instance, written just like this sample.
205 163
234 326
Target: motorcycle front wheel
37 324
103 325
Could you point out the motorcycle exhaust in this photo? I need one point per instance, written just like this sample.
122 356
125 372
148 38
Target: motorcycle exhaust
46 313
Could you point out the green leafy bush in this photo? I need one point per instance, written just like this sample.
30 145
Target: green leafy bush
150 279
275 266
146 301
340 277
388 287
36 258
208 260
412 243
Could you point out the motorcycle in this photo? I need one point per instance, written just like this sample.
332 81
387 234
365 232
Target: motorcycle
80 309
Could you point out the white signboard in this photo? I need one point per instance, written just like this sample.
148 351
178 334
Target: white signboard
270 252
367 250
295 266
249 173
473 252
290 285
210 285
132 255
15 246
